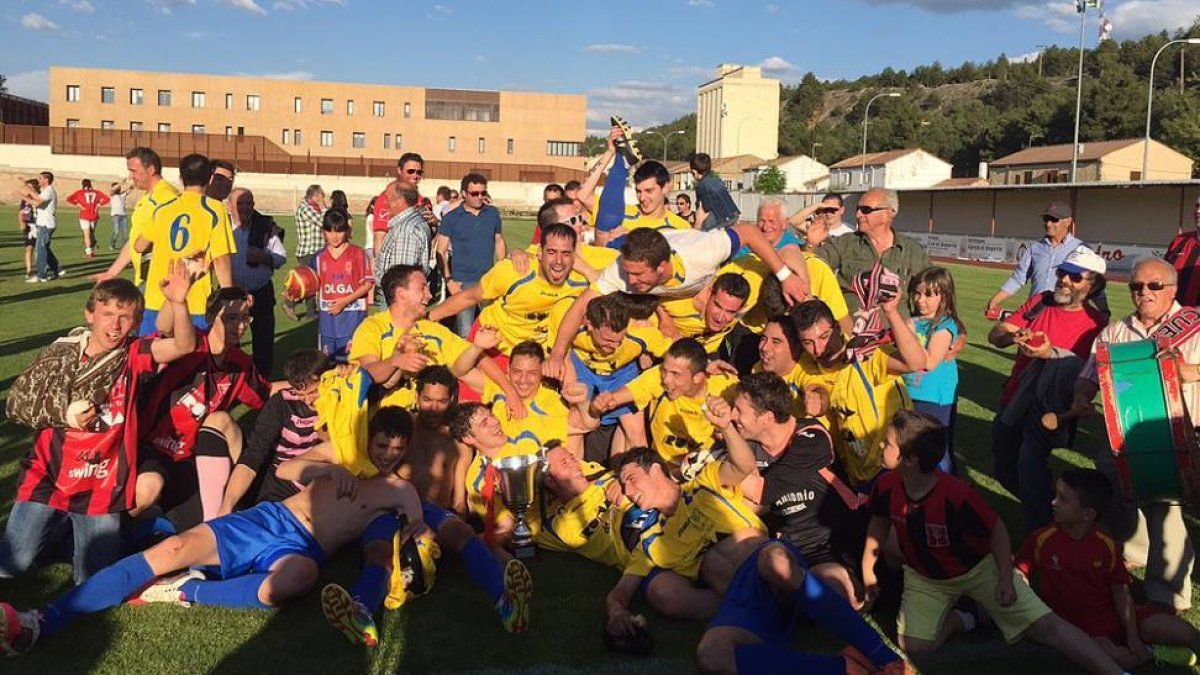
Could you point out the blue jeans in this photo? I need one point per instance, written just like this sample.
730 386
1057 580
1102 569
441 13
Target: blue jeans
945 415
34 530
1021 463
47 262
120 232
466 318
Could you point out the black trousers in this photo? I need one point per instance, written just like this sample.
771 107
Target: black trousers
262 329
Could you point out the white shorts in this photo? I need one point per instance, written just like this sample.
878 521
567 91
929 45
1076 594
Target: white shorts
87 224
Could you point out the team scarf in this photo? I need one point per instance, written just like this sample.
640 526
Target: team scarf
60 375
872 288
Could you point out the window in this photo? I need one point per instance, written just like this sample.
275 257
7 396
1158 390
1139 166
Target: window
297 104
326 106
453 143
197 99
286 136
349 107
135 126
252 102
72 124
106 125
377 108
73 93
136 96
461 105
399 141
358 140
164 97
1135 175
562 148
108 95
228 132
164 127
387 141
482 145
1028 177
326 139
509 148
296 138
197 128
229 101
407 110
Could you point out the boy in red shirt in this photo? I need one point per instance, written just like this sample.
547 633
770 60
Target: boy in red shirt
89 202
345 281
953 545
1080 573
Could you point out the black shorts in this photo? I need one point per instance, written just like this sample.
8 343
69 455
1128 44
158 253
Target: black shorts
180 498
597 444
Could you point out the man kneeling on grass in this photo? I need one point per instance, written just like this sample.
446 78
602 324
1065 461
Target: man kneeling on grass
259 558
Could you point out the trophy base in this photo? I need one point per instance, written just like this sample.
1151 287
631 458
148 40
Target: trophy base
525 551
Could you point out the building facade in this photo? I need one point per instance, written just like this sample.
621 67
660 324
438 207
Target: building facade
738 114
803 173
1105 161
895 169
329 119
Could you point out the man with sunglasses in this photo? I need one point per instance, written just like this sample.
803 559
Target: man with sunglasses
1047 329
874 241
1039 262
824 220
410 169
473 232
1184 253
1162 544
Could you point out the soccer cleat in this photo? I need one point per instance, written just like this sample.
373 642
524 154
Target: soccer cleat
1171 655
168 590
348 616
513 606
627 146
18 630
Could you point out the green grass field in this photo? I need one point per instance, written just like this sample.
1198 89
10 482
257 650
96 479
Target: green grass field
453 630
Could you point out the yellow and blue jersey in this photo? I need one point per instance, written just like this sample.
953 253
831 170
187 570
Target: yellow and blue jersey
378 337
188 227
678 427
521 304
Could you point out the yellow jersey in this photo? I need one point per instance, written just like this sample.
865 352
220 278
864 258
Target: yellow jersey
638 340
377 336
863 398
668 221
189 226
596 257
588 524
689 321
545 418
342 408
141 220
822 283
707 512
521 304
678 427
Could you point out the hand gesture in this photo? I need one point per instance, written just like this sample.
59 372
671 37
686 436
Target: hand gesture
453 287
795 291
603 402
520 261
575 393
553 368
337 307
515 408
612 493
614 135
82 419
1034 344
487 337
816 401
177 282
892 304
718 412
410 362
101 276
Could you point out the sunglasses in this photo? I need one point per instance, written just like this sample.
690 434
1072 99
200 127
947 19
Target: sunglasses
868 210
1050 219
574 220
1075 277
415 172
477 193
830 212
1137 286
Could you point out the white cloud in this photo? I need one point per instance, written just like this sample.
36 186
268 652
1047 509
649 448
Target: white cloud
247 5
1059 16
781 68
612 48
1136 18
35 21
772 8
644 104
442 9
81 6
34 84
168 6
480 58
1029 57
700 3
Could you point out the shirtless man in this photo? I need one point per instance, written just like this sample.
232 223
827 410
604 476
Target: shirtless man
259 558
434 464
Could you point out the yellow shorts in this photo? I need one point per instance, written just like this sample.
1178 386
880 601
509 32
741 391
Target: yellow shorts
925 601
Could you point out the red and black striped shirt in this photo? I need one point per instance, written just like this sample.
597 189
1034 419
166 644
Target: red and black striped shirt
1184 253
944 534
91 472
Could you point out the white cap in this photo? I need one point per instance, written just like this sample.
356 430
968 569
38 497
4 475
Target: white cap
1084 259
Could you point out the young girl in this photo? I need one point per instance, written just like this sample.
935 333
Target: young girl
934 388
345 280
25 217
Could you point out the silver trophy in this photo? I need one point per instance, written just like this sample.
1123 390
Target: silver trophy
518 479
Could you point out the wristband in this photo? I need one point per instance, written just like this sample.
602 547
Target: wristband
783 273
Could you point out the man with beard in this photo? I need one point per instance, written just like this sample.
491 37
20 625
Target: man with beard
1048 326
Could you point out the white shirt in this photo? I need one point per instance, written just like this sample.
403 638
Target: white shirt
369 246
46 215
116 204
696 256
842 228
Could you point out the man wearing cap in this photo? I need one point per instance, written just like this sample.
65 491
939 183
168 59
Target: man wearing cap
1184 253
1040 260
1053 332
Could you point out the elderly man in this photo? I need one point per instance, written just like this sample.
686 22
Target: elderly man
259 253
309 240
1039 262
875 241
1053 333
1161 541
1184 253
408 234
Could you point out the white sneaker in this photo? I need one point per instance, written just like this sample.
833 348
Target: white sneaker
62 273
168 590
33 279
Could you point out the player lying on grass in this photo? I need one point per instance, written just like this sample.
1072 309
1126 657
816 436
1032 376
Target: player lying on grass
258 558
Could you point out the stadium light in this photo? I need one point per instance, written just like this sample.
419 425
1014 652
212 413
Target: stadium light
1150 101
866 116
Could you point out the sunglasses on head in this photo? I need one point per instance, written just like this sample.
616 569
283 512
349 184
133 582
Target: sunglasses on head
1075 277
1137 286
868 210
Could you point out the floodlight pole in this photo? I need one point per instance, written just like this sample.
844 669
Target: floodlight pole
1150 101
867 116
1081 7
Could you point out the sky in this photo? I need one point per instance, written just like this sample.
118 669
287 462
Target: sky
642 59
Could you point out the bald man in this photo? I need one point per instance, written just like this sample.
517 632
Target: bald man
259 253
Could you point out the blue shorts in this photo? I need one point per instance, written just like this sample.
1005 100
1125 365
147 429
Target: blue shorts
149 316
383 528
751 605
250 541
336 348
435 516
599 383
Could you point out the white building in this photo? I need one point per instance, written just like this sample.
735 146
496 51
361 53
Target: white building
895 169
804 174
738 114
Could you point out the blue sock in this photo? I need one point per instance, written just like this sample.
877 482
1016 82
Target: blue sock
611 211
107 588
831 611
772 660
372 586
484 567
238 592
